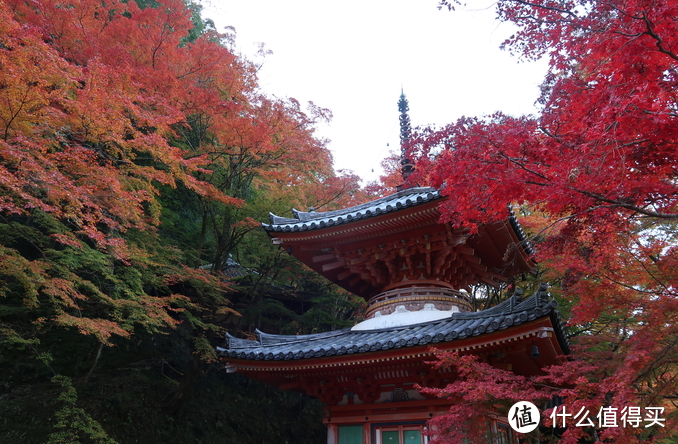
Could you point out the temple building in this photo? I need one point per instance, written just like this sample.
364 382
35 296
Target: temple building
415 274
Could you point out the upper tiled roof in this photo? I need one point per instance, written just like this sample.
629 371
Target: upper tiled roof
304 221
514 311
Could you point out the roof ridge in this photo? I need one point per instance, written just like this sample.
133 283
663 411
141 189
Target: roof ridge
272 339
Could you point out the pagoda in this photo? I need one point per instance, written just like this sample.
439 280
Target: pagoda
415 274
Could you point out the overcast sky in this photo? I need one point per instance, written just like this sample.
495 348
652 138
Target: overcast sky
353 57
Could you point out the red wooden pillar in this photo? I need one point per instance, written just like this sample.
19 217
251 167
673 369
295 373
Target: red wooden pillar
332 434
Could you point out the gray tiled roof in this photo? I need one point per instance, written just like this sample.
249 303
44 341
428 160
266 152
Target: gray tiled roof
513 311
304 221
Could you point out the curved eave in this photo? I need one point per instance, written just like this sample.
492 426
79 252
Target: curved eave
461 330
538 331
327 242
505 252
357 229
314 221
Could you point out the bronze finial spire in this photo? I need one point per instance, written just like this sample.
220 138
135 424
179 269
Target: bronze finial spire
405 135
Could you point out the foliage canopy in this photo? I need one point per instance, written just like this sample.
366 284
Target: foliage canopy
596 175
137 155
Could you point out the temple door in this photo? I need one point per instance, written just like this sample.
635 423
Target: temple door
411 437
390 437
400 435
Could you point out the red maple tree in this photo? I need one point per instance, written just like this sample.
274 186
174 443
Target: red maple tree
105 106
597 173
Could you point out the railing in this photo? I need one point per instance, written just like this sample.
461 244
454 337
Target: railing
414 298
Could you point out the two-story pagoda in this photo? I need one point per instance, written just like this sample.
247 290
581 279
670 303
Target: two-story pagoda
413 271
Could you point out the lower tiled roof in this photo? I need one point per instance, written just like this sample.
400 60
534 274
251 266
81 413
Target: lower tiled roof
512 312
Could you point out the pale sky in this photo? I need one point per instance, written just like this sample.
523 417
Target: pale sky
353 57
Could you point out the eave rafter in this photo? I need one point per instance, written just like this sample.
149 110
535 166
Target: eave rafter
365 256
431 255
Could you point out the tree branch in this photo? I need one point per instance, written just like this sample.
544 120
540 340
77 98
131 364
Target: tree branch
626 205
659 42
